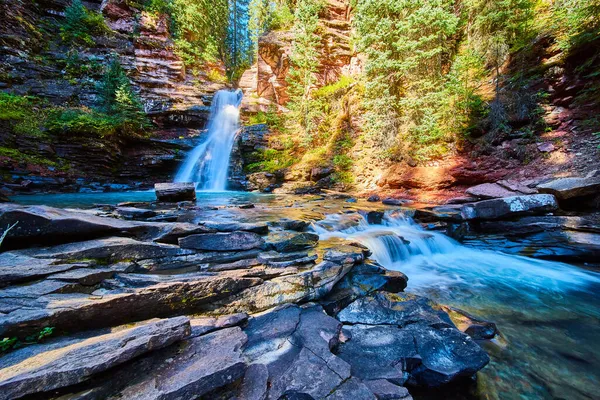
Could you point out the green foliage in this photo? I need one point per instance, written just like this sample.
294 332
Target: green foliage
80 24
7 344
78 67
271 160
304 60
576 22
408 44
24 112
119 100
82 122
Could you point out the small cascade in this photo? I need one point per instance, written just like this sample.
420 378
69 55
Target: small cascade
433 259
208 163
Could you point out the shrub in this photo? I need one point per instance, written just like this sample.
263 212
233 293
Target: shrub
21 110
118 99
81 121
80 24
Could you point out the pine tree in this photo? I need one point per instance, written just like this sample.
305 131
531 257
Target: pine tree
304 60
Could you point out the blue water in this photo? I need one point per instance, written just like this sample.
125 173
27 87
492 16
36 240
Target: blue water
88 200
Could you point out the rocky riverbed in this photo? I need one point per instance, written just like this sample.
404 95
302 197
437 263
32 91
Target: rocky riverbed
258 300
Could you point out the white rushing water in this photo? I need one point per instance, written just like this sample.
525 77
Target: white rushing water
431 259
208 163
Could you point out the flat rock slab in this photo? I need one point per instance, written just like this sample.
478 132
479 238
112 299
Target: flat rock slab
110 249
75 312
233 241
175 192
569 188
508 207
490 191
256 227
203 364
68 361
15 267
287 242
49 225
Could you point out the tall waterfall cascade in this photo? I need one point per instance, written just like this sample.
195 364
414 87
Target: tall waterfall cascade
208 163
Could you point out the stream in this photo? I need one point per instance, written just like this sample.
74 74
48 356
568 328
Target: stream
546 312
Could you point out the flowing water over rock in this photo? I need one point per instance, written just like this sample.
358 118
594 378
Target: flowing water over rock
208 163
546 311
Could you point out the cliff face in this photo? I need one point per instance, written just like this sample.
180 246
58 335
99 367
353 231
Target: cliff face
266 83
34 60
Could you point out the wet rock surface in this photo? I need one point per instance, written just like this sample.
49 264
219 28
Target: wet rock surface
274 316
174 192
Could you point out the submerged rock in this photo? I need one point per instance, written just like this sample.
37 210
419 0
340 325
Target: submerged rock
175 192
64 362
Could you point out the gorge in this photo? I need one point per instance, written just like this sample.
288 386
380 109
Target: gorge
299 200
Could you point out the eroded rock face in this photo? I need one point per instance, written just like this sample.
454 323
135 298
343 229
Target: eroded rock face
205 363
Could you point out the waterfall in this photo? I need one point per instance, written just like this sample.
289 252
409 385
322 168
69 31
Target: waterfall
431 259
208 163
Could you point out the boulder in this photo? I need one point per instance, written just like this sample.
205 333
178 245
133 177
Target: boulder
49 225
233 241
174 192
374 198
398 309
422 346
292 224
71 360
570 188
509 207
287 242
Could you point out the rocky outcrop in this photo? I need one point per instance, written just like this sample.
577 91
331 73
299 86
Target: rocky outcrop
276 318
267 78
568 190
